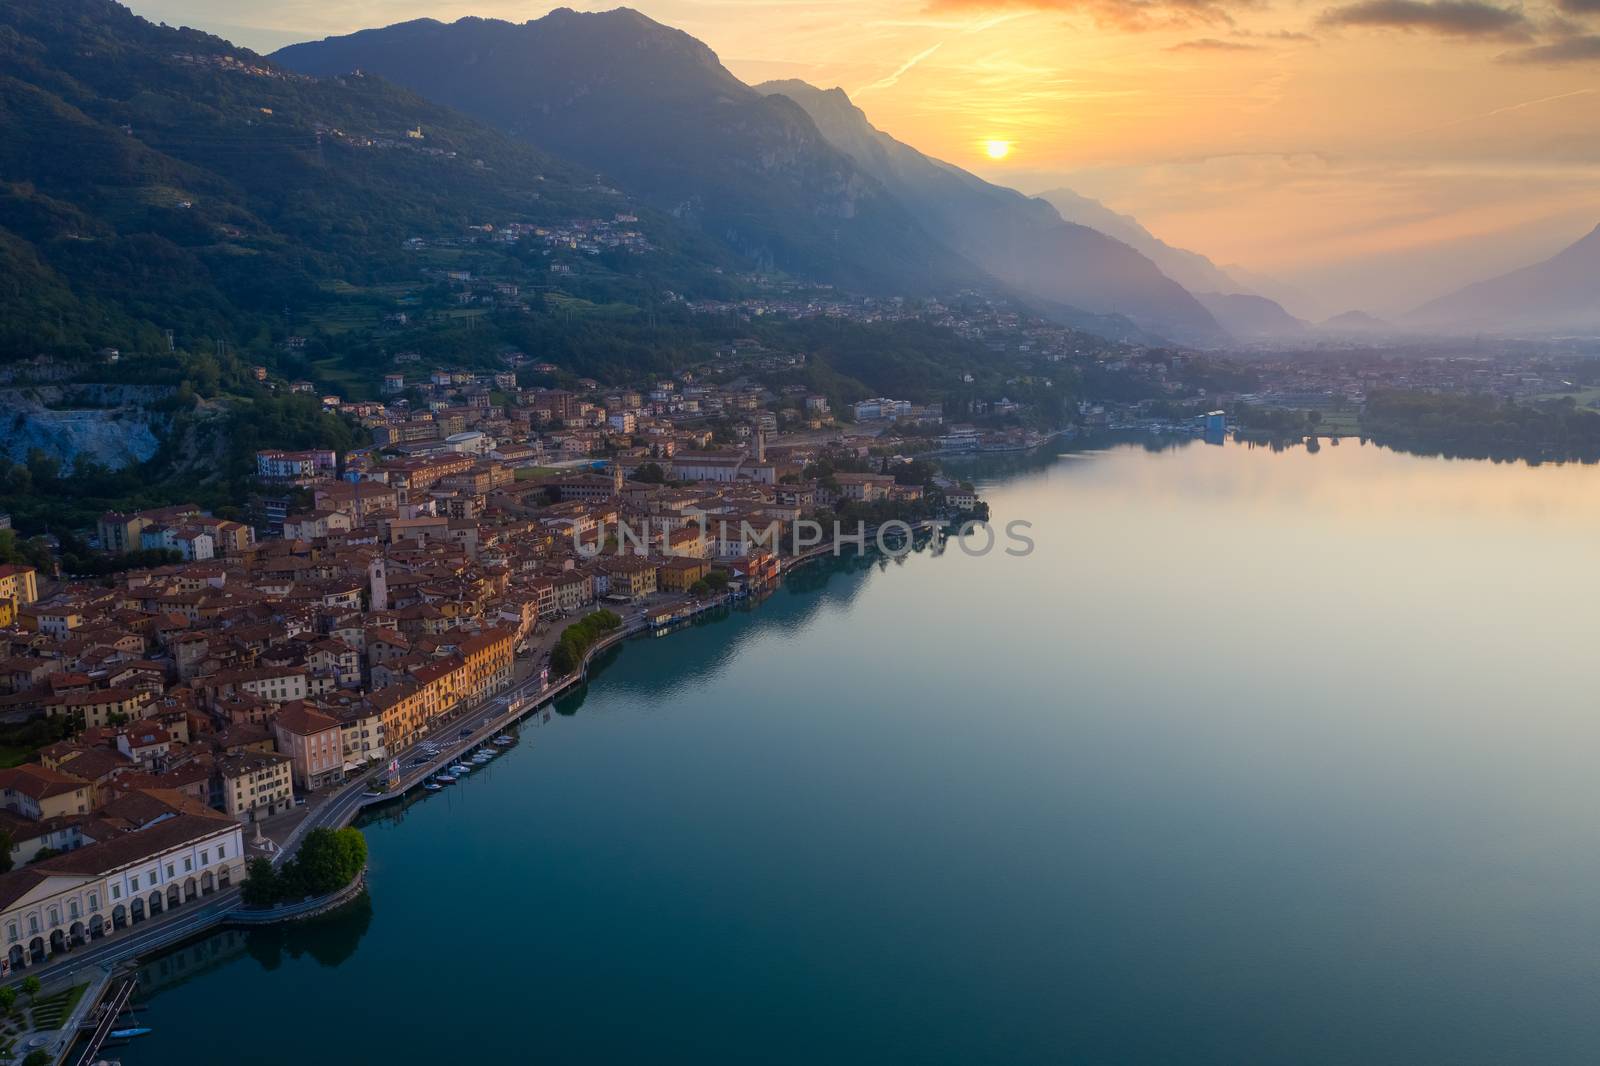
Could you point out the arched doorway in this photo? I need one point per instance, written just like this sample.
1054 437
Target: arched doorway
189 892
77 933
16 957
225 878
36 950
58 941
136 911
174 897
206 885
155 904
97 927
119 916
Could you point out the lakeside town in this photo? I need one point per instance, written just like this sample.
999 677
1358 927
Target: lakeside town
166 724
231 678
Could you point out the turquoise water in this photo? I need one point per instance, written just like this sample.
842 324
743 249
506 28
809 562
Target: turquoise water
1257 758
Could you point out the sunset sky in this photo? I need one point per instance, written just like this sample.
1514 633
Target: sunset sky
1377 152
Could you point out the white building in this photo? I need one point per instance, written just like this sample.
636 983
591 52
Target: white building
104 888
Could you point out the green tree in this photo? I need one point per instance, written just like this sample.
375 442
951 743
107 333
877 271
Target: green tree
261 886
328 860
30 987
8 999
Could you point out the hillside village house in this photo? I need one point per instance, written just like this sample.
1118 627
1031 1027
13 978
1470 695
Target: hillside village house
19 587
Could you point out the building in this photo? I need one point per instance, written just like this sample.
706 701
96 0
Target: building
33 792
866 488
255 785
101 707
313 742
681 573
19 585
628 578
104 888
120 533
297 468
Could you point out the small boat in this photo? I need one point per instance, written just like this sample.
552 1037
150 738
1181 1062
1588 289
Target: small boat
460 768
444 779
505 740
128 1034
431 787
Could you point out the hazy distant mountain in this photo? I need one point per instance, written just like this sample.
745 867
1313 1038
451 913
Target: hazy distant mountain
1296 301
1190 269
1559 295
652 108
1250 317
1022 241
1358 323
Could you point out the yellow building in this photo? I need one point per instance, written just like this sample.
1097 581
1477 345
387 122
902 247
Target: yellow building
679 575
18 587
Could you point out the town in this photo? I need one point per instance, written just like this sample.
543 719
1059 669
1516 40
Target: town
168 723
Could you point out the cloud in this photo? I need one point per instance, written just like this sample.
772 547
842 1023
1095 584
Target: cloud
1129 15
1276 35
1448 18
1213 44
1584 48
1579 7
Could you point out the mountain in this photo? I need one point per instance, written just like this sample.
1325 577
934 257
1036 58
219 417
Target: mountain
1022 241
653 109
1190 269
1296 301
1250 317
154 179
1558 295
1358 324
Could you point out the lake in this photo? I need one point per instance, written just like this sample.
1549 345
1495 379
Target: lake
1258 757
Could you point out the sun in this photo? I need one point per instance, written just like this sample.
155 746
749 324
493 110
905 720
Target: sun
998 149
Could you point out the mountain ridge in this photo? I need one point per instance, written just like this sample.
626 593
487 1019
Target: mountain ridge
1557 294
652 108
1021 240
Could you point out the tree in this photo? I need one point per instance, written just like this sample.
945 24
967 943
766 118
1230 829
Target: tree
328 860
650 474
30 987
262 885
8 999
37 1057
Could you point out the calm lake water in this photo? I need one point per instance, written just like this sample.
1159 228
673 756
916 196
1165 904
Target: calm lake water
1259 758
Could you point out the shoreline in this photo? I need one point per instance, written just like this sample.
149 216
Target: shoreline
344 807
